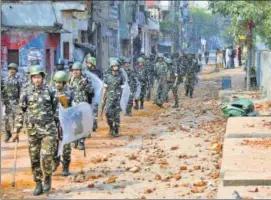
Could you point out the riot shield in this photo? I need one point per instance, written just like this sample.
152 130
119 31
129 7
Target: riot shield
138 89
125 92
76 123
97 85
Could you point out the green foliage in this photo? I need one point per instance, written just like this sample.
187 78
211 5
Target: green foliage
204 21
241 12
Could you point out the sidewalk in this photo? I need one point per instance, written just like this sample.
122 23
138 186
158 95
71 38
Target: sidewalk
246 164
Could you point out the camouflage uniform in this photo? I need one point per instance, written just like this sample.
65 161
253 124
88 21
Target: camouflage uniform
133 85
11 88
81 92
172 80
150 73
97 72
142 76
190 68
113 84
76 85
40 104
161 75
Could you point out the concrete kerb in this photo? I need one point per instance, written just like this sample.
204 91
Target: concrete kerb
248 127
241 178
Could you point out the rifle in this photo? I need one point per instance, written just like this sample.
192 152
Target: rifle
15 162
102 110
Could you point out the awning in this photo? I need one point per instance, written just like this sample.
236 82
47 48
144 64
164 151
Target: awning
45 29
86 47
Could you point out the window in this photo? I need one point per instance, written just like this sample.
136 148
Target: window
48 61
66 50
55 61
13 56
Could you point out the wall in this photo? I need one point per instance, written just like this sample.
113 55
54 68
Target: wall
30 46
264 72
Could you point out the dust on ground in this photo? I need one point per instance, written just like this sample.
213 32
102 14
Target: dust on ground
162 153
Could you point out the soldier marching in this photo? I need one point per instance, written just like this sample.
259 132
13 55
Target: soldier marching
36 102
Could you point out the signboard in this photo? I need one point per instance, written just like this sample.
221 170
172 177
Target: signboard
34 54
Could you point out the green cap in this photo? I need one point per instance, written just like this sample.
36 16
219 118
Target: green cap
13 66
92 60
36 69
76 65
60 76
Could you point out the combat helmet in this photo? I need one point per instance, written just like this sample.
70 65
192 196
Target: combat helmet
36 69
92 60
76 65
168 61
126 60
113 63
140 60
13 66
60 76
160 55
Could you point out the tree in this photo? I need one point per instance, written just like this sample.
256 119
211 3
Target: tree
242 12
207 25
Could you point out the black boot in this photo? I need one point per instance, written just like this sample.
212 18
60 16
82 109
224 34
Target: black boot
74 144
66 165
8 136
136 105
191 94
56 163
81 144
176 105
116 131
186 92
38 189
47 183
141 104
95 126
129 112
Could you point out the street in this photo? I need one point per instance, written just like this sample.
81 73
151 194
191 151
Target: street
75 81
162 153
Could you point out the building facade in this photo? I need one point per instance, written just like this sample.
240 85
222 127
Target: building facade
42 30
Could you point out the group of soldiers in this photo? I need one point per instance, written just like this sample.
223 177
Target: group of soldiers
32 101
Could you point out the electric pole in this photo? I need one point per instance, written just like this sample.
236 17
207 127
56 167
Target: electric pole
249 45
176 25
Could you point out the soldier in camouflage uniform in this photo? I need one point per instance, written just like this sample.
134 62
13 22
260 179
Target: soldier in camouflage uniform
11 87
60 66
161 76
142 75
172 81
150 72
65 97
113 84
40 103
190 69
132 83
91 65
82 88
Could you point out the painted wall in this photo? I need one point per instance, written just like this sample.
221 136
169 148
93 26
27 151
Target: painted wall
30 46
